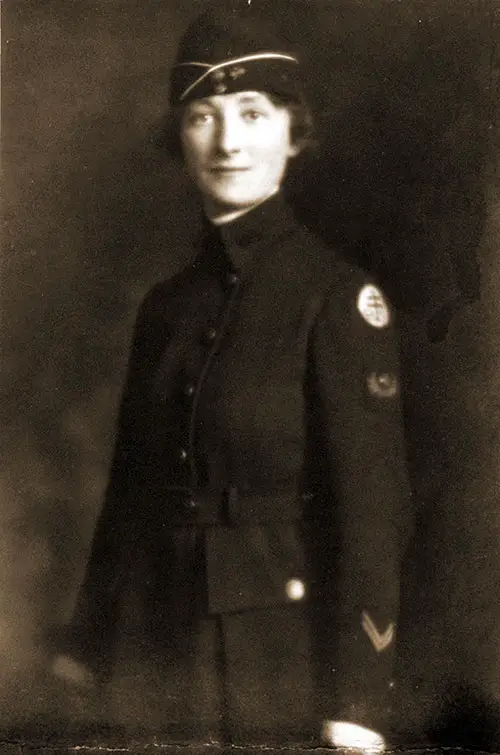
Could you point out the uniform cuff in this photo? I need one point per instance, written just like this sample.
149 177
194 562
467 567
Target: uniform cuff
352 736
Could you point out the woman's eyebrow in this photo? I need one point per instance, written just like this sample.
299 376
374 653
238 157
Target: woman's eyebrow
200 103
250 99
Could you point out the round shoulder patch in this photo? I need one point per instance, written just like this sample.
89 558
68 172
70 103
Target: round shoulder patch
373 307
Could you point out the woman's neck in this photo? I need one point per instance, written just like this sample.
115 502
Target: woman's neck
220 217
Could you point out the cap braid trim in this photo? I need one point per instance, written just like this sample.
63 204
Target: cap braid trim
233 61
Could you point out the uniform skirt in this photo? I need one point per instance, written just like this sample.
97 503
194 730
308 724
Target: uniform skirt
180 674
243 678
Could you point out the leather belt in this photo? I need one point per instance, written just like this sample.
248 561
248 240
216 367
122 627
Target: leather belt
184 507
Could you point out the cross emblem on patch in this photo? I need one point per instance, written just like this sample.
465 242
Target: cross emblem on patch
373 307
376 305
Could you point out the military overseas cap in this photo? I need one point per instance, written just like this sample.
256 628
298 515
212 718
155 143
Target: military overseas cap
232 52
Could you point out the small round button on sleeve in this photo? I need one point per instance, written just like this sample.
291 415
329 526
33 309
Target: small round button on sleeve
295 589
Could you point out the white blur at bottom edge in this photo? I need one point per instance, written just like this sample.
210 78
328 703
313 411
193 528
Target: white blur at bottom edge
352 736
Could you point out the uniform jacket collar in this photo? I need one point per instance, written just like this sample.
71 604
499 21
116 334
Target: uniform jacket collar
241 238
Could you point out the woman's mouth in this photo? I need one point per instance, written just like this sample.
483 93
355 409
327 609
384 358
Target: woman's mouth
227 169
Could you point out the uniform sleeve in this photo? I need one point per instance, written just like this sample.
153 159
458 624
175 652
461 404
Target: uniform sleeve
355 358
88 638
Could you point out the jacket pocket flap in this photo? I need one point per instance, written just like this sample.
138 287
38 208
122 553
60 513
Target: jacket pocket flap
252 567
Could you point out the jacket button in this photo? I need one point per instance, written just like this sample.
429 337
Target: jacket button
295 589
232 279
189 389
191 505
183 454
210 335
385 380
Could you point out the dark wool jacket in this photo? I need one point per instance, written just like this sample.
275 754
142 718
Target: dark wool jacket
260 440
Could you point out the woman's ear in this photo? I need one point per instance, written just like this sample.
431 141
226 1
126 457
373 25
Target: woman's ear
294 149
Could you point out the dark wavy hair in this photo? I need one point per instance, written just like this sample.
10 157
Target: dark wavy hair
302 126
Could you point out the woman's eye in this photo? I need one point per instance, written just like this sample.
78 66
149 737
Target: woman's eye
199 119
253 115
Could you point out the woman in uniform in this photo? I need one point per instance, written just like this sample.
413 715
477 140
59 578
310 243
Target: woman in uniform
243 584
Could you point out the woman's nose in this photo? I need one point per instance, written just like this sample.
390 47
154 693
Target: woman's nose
228 136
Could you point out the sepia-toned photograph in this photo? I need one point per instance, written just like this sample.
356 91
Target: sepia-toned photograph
250 341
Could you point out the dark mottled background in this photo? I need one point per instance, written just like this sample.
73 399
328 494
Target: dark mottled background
94 210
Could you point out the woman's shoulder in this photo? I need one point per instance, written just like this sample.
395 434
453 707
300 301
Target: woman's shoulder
332 262
348 291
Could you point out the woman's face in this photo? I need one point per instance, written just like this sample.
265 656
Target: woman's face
236 148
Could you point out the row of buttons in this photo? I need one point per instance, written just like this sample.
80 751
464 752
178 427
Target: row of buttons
190 388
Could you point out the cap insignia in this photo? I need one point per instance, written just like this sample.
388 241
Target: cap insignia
218 79
237 71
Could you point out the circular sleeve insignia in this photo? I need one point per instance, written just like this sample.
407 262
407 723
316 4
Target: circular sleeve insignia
373 307
382 384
